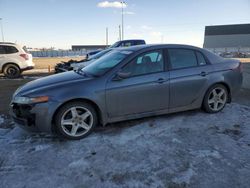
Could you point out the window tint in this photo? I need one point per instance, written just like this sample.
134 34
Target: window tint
182 58
201 59
2 50
10 49
126 44
147 63
25 49
106 62
139 42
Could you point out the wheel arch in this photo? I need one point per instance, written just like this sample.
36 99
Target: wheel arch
10 63
92 103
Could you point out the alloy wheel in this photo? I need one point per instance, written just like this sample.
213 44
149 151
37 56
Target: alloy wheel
77 121
217 99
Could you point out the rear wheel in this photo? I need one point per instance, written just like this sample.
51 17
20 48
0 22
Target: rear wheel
11 71
215 98
76 120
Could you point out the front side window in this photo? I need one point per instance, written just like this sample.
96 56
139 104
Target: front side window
150 62
2 50
182 58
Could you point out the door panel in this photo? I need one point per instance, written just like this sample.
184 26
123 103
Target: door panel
138 94
186 85
189 76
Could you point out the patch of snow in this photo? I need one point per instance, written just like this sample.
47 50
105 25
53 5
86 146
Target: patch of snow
41 147
206 153
1 120
189 149
184 177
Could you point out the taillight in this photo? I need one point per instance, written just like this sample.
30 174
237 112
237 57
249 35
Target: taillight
25 56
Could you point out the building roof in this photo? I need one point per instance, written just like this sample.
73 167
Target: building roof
227 29
89 46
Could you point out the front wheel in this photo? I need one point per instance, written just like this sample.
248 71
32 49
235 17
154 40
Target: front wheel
76 120
215 98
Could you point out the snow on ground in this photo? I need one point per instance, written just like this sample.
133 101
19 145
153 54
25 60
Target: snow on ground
1 119
189 149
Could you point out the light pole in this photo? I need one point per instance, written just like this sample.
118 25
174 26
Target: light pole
1 19
122 2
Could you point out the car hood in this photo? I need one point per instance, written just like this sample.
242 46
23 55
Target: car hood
50 81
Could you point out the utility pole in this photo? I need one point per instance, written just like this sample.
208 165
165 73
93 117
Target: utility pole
122 2
120 33
107 36
1 19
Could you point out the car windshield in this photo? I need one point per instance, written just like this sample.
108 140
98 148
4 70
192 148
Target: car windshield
114 45
106 62
99 54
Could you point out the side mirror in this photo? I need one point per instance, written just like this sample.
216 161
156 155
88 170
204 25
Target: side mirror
121 76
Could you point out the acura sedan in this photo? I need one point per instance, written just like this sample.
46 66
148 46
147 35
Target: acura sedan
127 83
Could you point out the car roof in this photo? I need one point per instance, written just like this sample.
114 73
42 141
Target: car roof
144 46
8 43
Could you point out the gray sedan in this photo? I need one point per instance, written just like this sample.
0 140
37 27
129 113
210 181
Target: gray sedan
127 83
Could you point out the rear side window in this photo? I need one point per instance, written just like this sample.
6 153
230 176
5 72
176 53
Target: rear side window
201 59
126 44
139 42
182 58
10 49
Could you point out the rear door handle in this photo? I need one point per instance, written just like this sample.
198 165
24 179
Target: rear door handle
203 74
161 80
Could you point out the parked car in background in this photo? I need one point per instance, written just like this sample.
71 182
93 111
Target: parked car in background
73 64
122 43
90 59
127 83
14 59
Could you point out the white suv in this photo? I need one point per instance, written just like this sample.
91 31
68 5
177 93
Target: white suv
14 59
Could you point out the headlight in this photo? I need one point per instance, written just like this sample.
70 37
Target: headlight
30 100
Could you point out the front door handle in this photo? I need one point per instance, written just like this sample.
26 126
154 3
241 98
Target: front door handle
203 74
161 80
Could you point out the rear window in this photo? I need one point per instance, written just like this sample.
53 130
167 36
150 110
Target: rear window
25 49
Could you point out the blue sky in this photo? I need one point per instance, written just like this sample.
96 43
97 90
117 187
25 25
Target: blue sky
61 23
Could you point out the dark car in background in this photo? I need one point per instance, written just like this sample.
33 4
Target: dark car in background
127 83
71 64
122 43
91 56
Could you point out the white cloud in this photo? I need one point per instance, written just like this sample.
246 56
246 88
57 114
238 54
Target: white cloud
146 27
156 34
128 27
129 13
109 4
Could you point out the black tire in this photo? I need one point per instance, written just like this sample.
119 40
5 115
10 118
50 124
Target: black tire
64 130
208 106
11 71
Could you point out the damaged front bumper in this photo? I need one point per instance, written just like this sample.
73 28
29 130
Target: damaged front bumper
34 117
